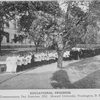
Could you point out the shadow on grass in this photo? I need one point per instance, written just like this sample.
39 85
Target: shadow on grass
61 80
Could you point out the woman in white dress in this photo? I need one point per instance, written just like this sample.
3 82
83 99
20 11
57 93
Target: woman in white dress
9 64
29 57
14 63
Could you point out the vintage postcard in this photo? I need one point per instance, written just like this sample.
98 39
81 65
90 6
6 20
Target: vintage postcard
50 49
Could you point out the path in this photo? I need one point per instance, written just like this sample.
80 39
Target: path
33 78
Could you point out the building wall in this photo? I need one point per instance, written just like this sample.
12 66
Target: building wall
11 34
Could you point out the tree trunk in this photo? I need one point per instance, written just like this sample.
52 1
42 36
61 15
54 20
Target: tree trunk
60 59
0 47
37 44
36 48
0 42
60 51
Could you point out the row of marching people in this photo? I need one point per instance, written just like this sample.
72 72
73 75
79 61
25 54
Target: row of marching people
19 62
13 61
79 53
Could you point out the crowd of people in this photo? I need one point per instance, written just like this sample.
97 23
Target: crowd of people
81 53
18 62
13 61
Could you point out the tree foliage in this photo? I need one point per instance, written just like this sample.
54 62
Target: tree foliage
63 31
93 19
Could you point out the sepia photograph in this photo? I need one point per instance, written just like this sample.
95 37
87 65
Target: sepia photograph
50 44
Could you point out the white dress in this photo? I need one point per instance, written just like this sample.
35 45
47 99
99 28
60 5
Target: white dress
14 63
19 61
29 57
25 61
9 64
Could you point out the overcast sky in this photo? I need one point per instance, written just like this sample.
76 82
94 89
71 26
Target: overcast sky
64 6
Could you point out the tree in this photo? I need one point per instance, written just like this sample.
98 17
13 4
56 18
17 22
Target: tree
25 10
37 29
41 12
68 29
36 32
31 18
79 26
63 31
93 28
4 16
8 11
28 15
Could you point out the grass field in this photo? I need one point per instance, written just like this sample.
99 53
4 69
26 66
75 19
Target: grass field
82 74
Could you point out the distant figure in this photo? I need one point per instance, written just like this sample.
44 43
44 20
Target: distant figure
33 60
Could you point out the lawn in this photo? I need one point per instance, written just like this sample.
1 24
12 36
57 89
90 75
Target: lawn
82 74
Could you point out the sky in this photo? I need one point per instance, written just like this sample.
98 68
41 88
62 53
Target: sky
63 6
